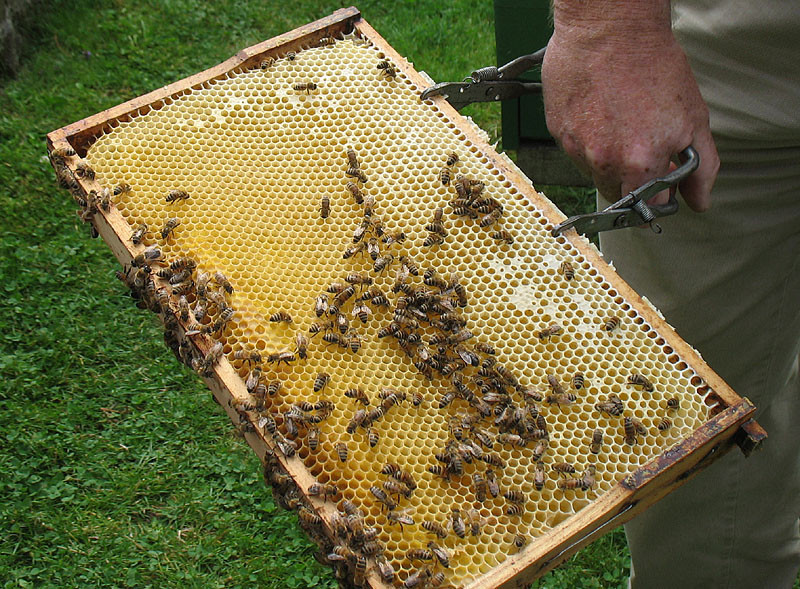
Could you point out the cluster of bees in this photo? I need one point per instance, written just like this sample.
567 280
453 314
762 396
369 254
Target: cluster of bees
89 203
469 202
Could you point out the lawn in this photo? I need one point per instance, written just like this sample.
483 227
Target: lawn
118 469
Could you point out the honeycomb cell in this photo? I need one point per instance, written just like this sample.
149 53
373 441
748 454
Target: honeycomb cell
257 157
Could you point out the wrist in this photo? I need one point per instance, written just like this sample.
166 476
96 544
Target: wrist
632 22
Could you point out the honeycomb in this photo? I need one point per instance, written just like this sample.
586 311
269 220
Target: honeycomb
257 152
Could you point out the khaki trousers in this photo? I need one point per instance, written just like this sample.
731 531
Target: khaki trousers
729 281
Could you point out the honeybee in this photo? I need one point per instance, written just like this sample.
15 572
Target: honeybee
373 437
433 239
673 404
479 486
664 424
515 496
464 211
419 554
369 206
639 380
278 357
611 323
356 173
280 317
249 356
321 381
539 476
267 423
223 282
308 517
395 487
361 312
385 570
58 154
175 195
341 451
613 406
341 552
515 509
452 159
321 305
356 192
564 468
585 482
253 379
447 398
336 287
353 342
444 175
550 331
555 385
491 218
520 541
632 428
567 270
306 87
267 63
162 298
387 69
342 297
416 399
326 42
358 395
104 199
139 233
354 249
84 170
322 490
335 338
352 160
503 236
373 249
560 399
485 205
382 263
358 419
441 471
169 227
312 438
457 523
441 554
435 528
325 206
597 441
382 496
358 278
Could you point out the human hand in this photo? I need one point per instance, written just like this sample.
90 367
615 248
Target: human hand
621 98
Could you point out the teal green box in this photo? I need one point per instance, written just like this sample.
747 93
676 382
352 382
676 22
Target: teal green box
520 28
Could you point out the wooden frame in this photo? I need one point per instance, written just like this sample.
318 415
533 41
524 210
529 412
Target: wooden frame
730 423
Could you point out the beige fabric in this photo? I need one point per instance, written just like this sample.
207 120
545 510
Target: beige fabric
729 282
746 60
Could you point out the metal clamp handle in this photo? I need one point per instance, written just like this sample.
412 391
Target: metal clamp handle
632 209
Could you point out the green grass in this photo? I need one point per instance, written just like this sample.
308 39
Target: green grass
117 468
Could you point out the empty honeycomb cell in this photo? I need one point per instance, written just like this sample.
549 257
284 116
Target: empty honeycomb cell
256 157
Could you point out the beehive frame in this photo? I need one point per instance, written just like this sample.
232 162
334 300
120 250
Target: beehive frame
618 503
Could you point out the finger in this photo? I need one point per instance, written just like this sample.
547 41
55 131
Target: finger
696 189
664 196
